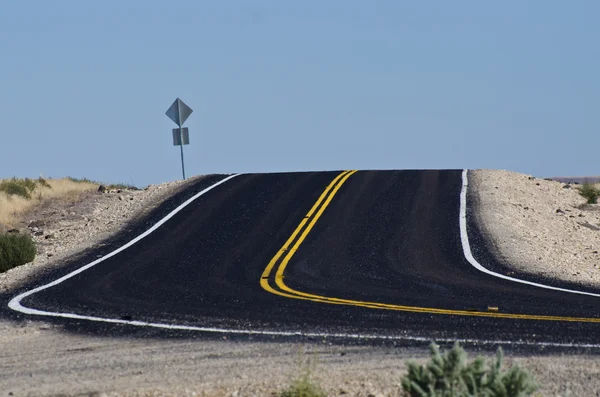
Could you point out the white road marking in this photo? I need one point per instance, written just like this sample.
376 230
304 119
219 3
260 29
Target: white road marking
469 255
15 303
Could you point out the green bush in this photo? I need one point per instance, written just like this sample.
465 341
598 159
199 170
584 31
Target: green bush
15 250
19 187
449 375
15 187
589 192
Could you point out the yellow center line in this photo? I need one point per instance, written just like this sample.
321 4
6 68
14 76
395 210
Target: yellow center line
317 210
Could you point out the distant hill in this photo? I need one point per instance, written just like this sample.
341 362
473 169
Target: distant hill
576 179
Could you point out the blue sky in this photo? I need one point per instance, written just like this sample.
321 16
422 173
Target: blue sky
298 85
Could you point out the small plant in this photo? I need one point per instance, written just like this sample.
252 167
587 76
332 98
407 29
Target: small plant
589 192
449 375
15 250
304 385
44 183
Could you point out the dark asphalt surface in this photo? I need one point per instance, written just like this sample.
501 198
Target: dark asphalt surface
387 236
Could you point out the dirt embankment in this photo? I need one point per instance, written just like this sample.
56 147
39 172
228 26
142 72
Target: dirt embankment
539 226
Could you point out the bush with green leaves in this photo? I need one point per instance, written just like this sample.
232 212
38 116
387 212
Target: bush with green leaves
589 192
450 375
18 187
15 250
22 187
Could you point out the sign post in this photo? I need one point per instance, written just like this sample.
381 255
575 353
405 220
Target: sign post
179 113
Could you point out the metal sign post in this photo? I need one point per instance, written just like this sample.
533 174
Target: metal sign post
179 113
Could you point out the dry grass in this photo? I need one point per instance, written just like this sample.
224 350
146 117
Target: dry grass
13 206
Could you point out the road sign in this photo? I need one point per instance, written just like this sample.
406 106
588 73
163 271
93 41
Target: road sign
179 112
179 135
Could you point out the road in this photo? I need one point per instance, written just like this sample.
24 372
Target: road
365 255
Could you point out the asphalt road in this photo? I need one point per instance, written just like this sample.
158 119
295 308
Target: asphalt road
371 253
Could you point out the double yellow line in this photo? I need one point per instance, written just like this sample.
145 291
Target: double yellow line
274 272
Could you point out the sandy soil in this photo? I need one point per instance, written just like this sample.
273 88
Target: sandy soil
40 359
539 226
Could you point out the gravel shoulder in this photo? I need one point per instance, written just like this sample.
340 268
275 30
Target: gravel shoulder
40 359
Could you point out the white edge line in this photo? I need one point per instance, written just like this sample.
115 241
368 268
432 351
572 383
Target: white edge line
15 304
469 255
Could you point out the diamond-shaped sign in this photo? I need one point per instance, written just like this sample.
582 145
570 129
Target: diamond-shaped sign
179 112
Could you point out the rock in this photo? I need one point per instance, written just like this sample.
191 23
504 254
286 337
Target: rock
567 186
102 189
50 236
121 198
118 190
559 211
39 233
50 255
589 226
36 224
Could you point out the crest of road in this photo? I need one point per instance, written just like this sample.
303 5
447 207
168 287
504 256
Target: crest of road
349 255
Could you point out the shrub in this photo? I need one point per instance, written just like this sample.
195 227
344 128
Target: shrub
304 385
14 187
449 375
21 187
44 183
28 183
589 192
15 250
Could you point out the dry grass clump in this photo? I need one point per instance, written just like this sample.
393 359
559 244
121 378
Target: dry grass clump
17 196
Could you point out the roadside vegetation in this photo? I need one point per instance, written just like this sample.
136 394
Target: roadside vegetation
590 192
304 384
15 250
450 374
447 374
112 186
18 195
